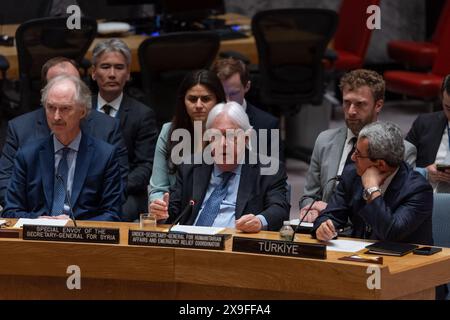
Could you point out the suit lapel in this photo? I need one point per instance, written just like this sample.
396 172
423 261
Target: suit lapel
249 175
47 167
436 133
84 158
123 110
397 183
335 154
200 182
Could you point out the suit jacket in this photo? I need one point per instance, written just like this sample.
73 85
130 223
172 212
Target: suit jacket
257 194
140 133
259 119
402 214
325 161
33 126
96 189
426 135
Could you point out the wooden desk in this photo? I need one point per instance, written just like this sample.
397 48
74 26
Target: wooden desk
37 270
246 46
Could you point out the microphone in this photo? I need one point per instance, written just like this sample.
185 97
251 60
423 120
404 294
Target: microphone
186 209
315 198
67 199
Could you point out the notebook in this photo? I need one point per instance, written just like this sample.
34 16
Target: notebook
391 248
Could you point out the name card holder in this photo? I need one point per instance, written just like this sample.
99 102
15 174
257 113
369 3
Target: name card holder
72 234
280 248
176 239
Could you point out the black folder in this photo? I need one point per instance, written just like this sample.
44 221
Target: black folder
391 248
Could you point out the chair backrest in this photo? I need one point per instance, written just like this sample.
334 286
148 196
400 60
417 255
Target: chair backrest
166 59
441 219
441 65
39 40
291 44
444 18
352 34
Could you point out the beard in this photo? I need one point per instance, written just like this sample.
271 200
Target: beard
356 125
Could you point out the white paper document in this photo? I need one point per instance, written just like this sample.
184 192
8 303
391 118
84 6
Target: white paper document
41 222
197 229
2 222
303 224
346 245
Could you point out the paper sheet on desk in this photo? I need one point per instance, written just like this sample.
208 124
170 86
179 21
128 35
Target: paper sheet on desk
41 222
197 229
346 245
303 224
2 222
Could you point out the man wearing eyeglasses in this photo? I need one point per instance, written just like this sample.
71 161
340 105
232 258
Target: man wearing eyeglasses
384 198
363 98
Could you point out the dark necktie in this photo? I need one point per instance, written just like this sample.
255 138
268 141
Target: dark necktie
60 186
349 156
212 205
107 108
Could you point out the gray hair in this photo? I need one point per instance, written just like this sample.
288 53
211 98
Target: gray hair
233 110
385 142
82 93
111 45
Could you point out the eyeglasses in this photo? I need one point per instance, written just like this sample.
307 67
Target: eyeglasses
359 156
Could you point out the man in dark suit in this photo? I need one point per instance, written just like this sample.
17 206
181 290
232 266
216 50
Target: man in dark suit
68 170
383 196
112 60
430 134
235 79
228 188
33 126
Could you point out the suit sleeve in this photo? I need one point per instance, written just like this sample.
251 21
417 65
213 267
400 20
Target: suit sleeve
7 161
16 201
117 140
111 199
159 181
312 183
338 207
396 225
276 205
144 151
413 135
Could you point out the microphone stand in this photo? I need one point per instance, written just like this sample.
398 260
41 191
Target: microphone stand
186 209
315 198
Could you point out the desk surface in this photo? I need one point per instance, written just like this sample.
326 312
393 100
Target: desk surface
245 46
37 269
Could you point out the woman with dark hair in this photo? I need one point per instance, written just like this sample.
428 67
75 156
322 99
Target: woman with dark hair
198 93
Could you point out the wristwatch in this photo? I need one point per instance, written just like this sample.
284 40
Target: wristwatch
368 192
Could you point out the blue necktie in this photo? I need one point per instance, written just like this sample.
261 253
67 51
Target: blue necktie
60 186
212 205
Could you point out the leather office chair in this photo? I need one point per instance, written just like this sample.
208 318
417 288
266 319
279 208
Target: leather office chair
417 54
291 44
352 36
166 59
37 41
424 85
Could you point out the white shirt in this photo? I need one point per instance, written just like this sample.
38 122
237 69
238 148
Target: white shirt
347 148
442 157
387 182
115 104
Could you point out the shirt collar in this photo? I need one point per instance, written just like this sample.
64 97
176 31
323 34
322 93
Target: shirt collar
115 104
244 105
350 135
236 171
388 181
74 145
